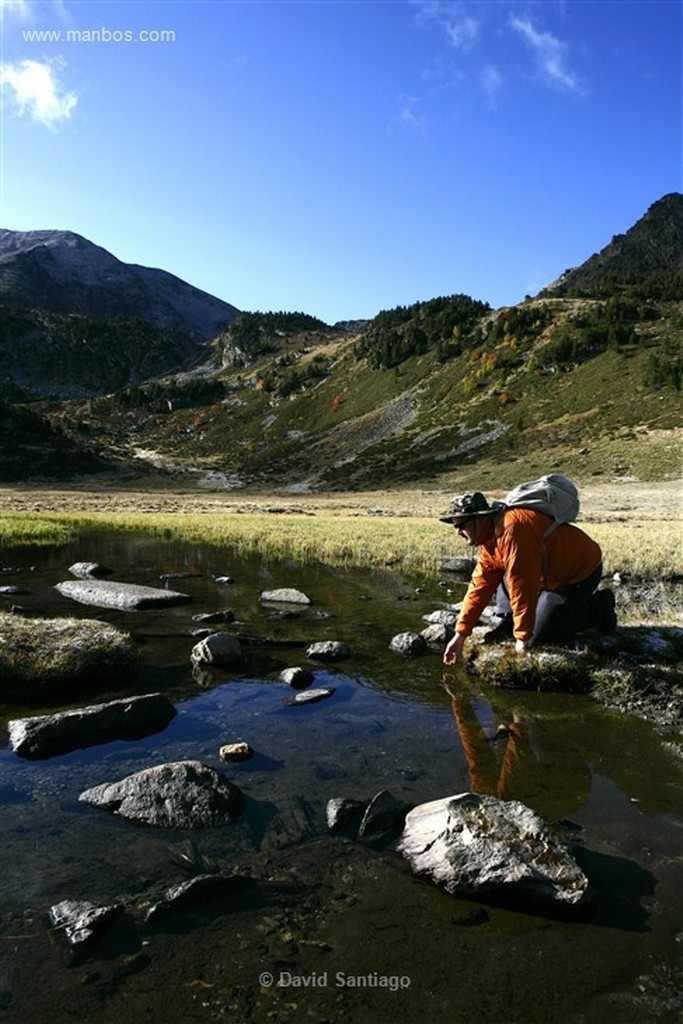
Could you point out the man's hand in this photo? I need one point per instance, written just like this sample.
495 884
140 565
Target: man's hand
521 646
453 649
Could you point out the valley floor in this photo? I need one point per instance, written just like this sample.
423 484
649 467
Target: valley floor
621 499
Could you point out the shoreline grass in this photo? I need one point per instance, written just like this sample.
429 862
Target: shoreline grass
397 528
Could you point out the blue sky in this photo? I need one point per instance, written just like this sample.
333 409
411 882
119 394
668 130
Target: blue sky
340 158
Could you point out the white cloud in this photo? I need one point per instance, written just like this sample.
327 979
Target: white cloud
20 8
25 8
37 93
491 81
409 116
549 52
460 27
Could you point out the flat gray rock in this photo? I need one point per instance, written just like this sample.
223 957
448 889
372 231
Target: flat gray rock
47 735
181 794
284 595
472 844
311 696
126 596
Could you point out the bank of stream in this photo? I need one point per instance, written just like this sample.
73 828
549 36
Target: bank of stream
331 928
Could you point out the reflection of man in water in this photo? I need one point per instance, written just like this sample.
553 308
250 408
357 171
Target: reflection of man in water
495 765
535 761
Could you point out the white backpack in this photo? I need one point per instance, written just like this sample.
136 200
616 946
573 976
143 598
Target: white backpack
553 494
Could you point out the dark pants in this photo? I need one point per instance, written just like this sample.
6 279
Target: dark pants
560 613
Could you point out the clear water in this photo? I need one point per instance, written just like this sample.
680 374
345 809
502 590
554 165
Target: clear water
342 927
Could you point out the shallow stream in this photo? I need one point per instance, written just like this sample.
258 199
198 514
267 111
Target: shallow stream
332 928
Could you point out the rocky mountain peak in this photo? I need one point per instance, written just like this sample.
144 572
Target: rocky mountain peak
652 247
62 272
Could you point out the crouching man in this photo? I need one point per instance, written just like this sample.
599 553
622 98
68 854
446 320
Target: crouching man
546 588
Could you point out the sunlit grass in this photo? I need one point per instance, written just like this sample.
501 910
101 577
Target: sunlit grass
20 528
643 549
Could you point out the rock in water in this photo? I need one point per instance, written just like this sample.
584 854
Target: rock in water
328 650
47 735
472 844
220 649
409 644
126 596
182 794
83 922
284 595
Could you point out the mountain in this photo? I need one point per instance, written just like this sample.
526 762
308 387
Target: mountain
446 393
61 272
649 251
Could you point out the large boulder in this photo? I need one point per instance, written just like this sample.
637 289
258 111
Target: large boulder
39 655
125 596
475 845
182 794
47 735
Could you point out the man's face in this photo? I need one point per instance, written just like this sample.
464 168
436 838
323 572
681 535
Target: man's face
468 530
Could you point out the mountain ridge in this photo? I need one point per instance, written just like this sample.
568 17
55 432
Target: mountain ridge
586 382
63 272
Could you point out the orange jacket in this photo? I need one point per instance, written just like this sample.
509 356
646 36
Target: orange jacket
515 550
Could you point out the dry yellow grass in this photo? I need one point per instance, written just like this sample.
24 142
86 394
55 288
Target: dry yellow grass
638 525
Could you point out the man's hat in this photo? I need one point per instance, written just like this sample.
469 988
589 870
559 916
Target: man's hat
464 506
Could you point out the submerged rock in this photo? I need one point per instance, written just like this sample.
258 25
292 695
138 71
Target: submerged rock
195 891
182 794
125 596
83 922
47 735
472 844
224 615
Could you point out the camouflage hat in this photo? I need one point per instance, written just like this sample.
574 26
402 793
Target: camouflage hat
464 506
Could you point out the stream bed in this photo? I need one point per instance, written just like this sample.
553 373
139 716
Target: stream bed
331 928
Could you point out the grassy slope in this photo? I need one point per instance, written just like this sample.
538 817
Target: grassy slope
422 423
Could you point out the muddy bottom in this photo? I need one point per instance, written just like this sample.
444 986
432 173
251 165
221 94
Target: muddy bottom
331 927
